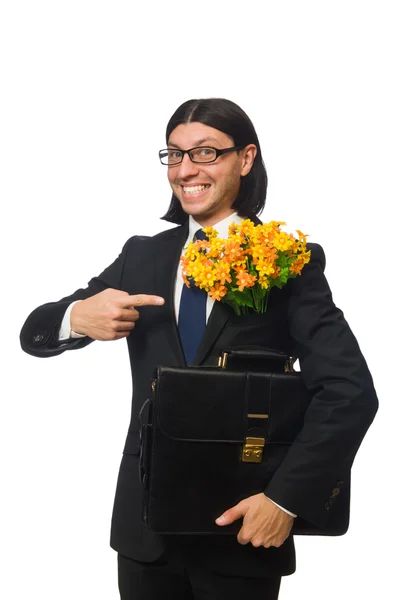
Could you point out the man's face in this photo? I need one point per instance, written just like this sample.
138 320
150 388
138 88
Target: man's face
207 191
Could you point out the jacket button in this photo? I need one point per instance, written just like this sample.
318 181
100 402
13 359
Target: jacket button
335 491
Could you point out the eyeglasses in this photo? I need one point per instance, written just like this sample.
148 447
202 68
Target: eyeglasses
200 154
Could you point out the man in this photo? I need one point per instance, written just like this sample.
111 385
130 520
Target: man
217 176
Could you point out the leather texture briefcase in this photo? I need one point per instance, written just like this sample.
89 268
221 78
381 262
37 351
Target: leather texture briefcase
212 436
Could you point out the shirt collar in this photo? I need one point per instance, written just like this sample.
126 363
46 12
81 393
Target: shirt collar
222 227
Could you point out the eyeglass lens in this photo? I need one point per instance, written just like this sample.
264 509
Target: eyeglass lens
201 154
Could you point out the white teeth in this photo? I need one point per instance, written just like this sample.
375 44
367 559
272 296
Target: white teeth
194 189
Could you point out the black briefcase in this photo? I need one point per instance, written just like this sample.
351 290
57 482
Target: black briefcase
212 436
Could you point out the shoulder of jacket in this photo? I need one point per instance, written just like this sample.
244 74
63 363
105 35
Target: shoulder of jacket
163 236
158 237
317 254
148 240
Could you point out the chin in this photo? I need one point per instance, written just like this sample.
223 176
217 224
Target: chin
195 209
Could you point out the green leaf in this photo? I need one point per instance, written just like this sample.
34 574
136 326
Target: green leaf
229 297
284 275
283 260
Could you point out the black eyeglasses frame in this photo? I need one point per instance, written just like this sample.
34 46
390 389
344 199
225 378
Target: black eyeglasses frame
198 162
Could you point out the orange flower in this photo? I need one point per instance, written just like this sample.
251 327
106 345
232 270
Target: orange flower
223 272
233 251
244 279
217 291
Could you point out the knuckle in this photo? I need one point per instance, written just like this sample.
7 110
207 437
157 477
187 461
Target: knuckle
243 538
108 293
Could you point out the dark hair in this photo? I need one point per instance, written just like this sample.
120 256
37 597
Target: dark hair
228 117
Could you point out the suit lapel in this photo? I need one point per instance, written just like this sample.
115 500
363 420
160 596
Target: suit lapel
216 322
167 261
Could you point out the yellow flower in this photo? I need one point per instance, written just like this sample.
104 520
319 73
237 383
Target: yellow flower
206 277
247 228
282 241
210 232
265 268
192 252
215 248
263 282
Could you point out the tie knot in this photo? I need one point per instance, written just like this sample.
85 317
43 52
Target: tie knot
200 235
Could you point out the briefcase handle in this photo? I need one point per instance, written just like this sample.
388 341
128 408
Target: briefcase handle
244 357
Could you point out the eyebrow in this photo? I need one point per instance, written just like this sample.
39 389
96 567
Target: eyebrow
198 142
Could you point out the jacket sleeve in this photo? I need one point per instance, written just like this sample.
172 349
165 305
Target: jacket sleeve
344 400
39 334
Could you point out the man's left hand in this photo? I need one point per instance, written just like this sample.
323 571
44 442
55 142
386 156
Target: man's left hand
264 523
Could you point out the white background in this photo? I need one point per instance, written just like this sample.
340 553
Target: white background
87 90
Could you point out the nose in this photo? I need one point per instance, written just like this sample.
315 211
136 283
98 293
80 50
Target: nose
187 168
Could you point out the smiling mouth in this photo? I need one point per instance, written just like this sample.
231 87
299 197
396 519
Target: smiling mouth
195 189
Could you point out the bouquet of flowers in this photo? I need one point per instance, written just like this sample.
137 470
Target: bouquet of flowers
242 269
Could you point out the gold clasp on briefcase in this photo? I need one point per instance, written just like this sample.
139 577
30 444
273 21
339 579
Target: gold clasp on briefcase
253 449
222 360
289 365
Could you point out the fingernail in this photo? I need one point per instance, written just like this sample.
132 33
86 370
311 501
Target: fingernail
220 520
160 301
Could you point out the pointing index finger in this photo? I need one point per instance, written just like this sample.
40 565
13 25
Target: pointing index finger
141 300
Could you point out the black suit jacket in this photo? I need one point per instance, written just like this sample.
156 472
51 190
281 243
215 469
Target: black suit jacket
302 321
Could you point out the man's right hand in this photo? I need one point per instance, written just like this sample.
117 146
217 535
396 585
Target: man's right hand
109 315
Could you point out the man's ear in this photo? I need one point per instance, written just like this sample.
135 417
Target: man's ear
248 154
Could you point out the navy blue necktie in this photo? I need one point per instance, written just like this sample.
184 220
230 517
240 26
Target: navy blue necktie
192 315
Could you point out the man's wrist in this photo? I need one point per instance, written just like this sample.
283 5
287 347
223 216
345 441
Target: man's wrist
65 331
282 508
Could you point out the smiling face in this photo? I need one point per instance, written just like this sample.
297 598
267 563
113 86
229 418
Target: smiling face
207 191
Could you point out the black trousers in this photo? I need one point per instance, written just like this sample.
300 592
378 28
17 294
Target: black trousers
181 576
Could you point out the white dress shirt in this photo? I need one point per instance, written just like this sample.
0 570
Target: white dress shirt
222 228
